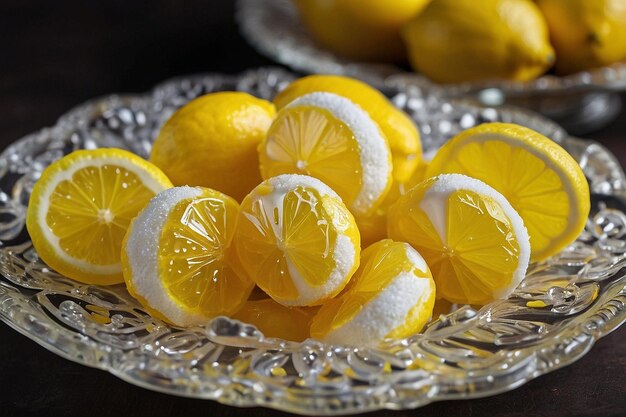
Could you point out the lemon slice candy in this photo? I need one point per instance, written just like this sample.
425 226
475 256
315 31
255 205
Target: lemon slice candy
330 138
398 128
81 206
391 295
473 240
544 184
297 240
177 258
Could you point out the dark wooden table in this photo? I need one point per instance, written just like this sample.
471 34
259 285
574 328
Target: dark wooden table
55 55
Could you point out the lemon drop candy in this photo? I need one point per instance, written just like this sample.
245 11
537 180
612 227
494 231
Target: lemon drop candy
177 257
297 240
391 295
81 206
328 137
456 41
475 243
277 320
210 138
398 128
544 184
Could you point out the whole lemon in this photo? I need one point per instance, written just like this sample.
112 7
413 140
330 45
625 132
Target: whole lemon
401 132
212 142
453 41
586 33
367 30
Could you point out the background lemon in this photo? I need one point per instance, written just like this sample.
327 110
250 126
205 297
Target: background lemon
586 33
212 142
453 41
360 29
373 227
276 320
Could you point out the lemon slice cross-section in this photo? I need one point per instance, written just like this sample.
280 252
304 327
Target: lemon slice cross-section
328 137
398 128
81 207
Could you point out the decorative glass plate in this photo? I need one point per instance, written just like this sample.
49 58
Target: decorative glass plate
578 295
580 102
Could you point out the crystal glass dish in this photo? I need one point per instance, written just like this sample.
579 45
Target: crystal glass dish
553 318
580 102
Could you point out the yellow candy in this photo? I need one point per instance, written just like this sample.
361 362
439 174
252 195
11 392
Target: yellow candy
390 296
178 260
297 240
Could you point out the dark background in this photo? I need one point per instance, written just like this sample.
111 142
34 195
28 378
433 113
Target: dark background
57 54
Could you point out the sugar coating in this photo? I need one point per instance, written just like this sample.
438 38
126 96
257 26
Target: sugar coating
381 315
447 184
344 256
142 249
344 251
286 182
373 150
416 258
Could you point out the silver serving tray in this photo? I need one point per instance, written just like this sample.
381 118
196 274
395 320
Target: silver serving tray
581 102
465 354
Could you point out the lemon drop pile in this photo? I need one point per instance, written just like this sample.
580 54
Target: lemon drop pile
311 217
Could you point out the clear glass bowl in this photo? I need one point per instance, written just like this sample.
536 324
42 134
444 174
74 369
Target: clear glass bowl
581 102
465 354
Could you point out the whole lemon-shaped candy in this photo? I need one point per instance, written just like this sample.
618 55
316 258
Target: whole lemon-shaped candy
212 142
454 41
586 33
366 30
